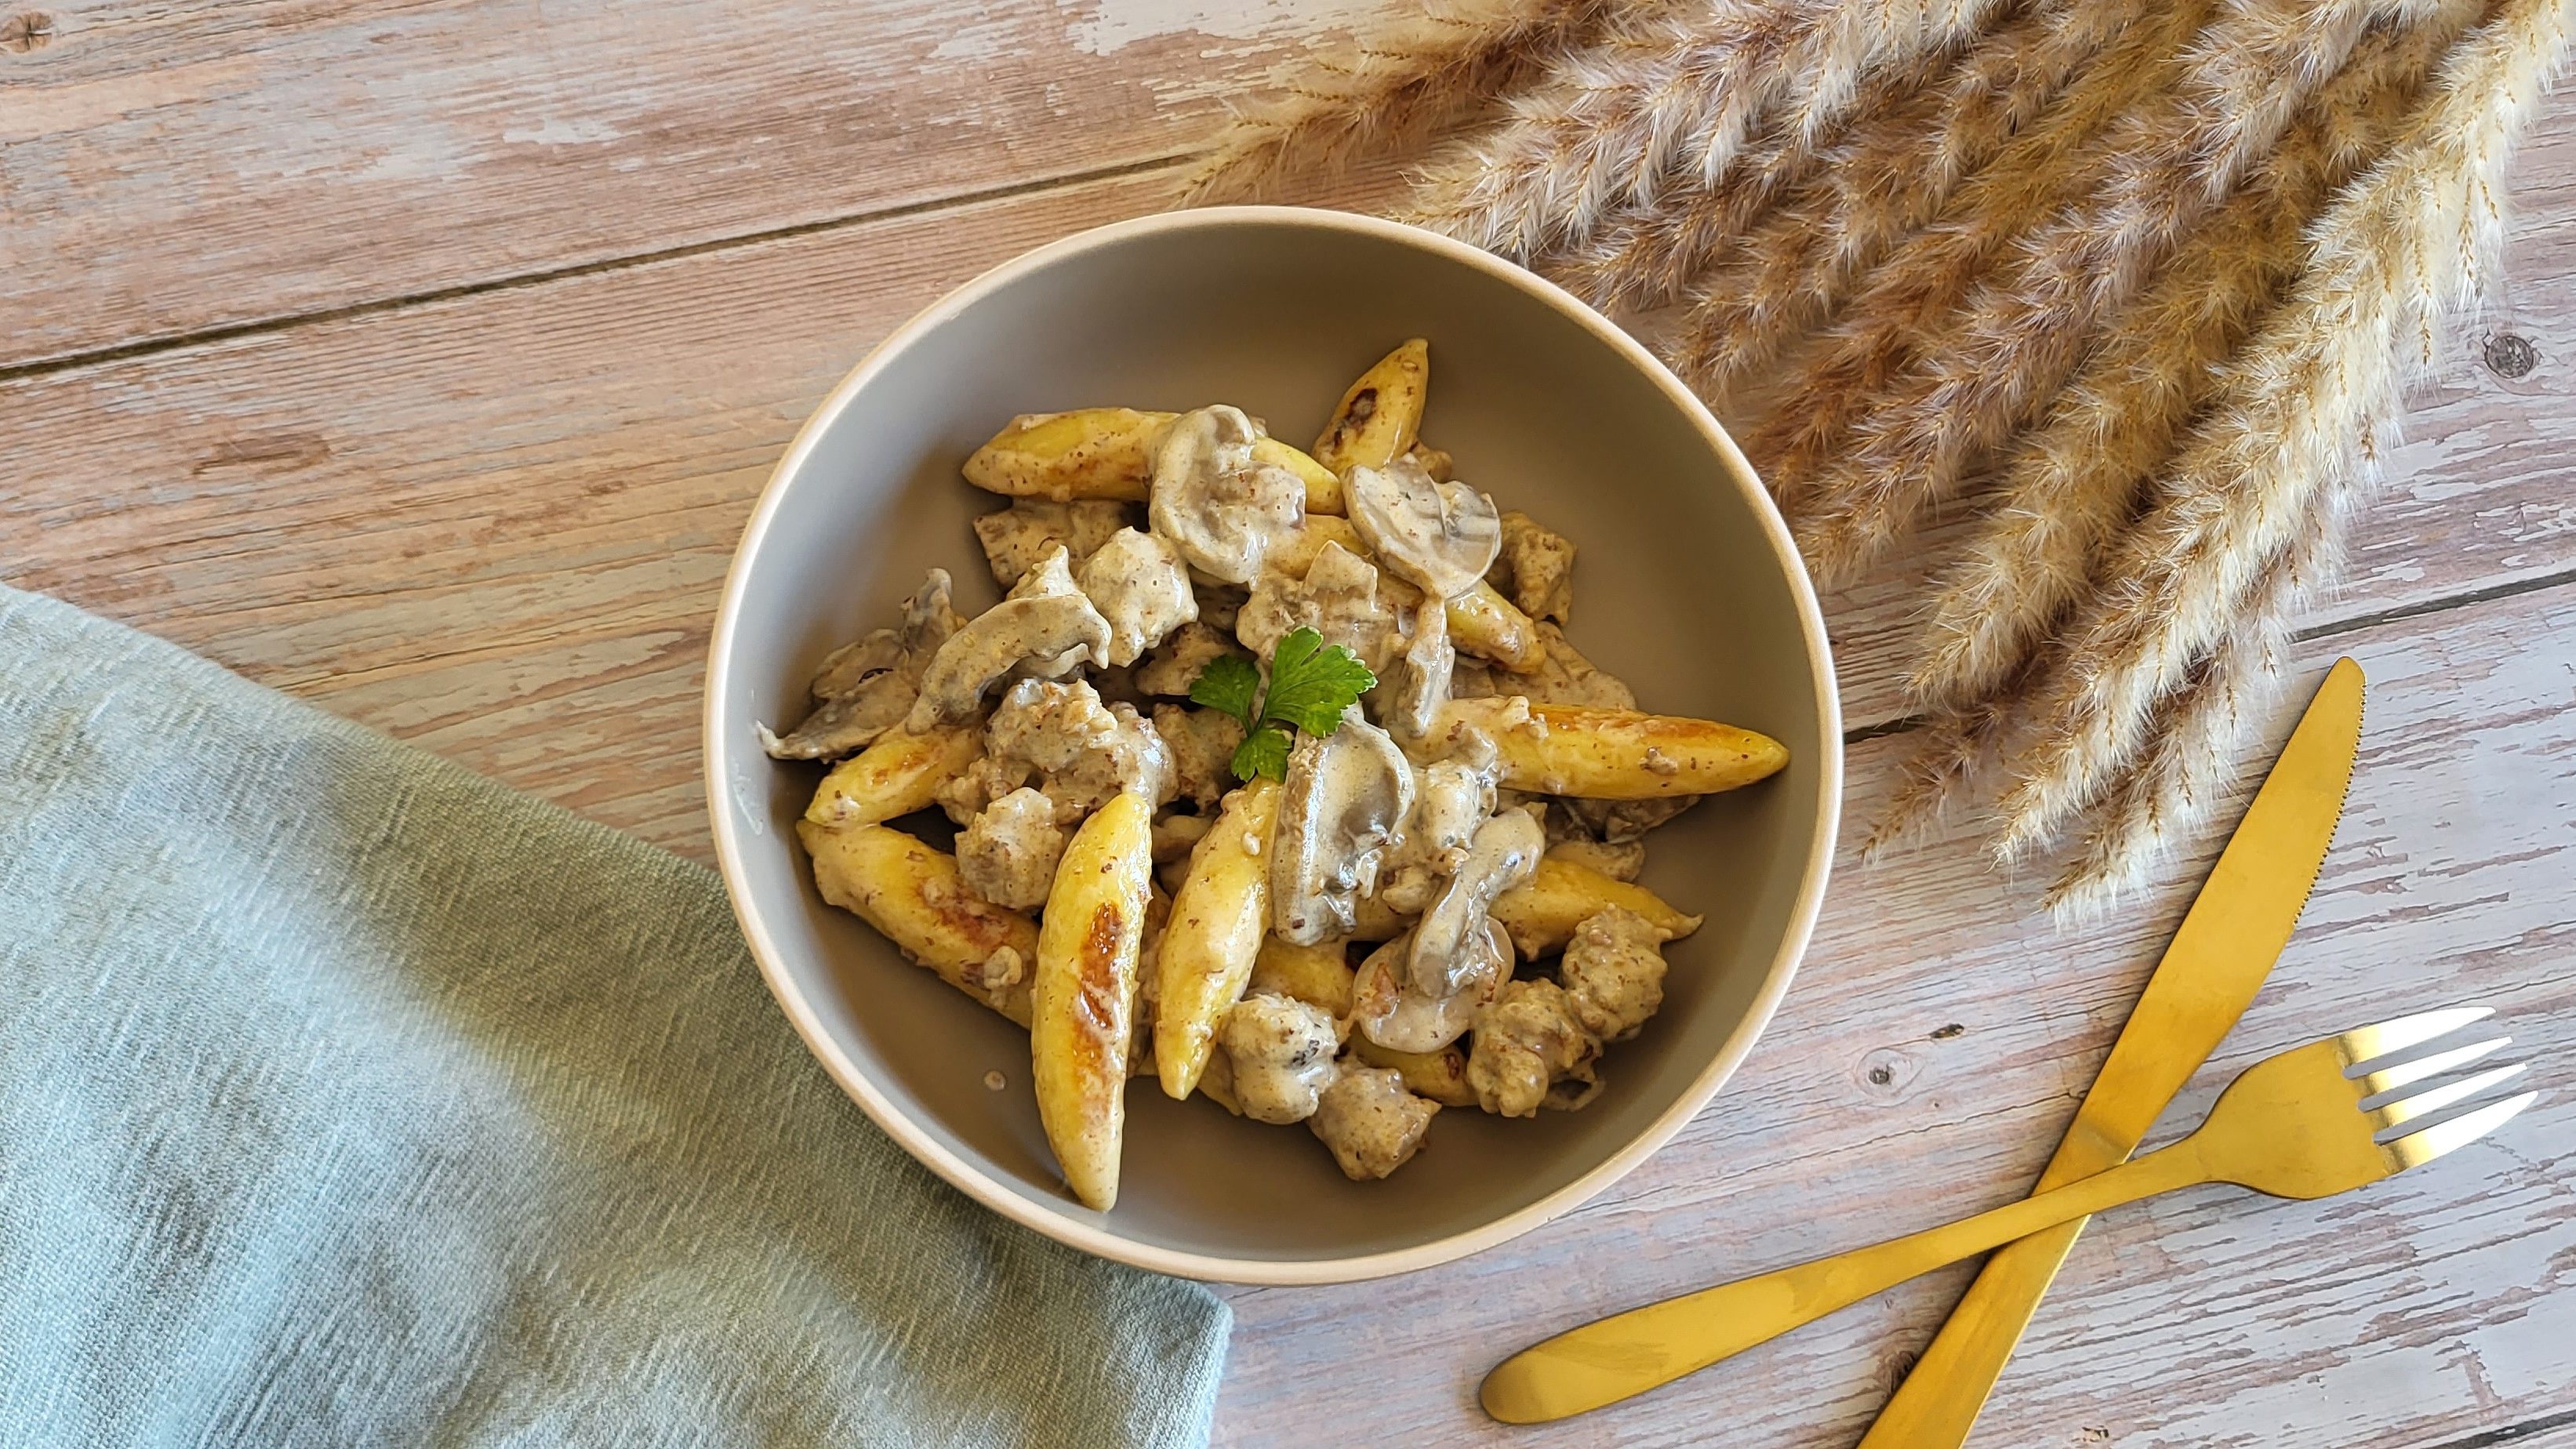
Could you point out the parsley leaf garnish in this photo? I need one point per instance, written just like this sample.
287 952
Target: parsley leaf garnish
1228 683
1263 752
1310 686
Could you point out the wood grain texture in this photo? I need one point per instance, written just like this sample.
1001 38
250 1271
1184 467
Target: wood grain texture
435 353
212 163
496 524
1934 1047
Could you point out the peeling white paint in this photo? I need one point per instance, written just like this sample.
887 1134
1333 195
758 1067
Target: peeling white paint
1112 25
975 42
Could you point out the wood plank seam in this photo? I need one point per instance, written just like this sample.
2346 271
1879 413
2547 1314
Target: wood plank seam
515 281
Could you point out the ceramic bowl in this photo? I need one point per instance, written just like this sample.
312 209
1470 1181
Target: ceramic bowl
1687 587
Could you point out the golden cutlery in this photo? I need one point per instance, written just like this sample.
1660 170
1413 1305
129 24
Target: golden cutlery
2218 959
2307 1123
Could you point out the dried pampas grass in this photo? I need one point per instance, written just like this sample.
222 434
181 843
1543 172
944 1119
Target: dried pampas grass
1669 89
1430 66
2143 282
2292 421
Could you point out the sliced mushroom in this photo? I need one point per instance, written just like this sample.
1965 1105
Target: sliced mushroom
1343 798
1451 799
1504 854
1137 582
1219 507
1441 536
1394 1013
1417 683
1045 627
864 689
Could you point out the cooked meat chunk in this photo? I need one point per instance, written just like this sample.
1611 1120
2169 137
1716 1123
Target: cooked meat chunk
1202 742
1083 751
1372 1124
1618 822
1526 1041
1475 679
1338 598
1536 568
1574 831
1614 972
1137 583
1282 1053
1218 602
1007 853
1171 667
1019 537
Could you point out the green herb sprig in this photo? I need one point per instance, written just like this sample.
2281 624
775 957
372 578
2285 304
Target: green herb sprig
1310 686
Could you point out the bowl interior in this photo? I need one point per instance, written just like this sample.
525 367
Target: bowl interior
1679 590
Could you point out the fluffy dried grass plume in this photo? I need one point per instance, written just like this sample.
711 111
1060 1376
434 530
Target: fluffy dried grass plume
2144 282
1920 282
1431 65
1891 172
2292 421
1668 89
1983 370
2075 480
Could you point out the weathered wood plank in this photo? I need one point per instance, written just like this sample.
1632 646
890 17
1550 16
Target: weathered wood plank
496 524
1933 1048
167 168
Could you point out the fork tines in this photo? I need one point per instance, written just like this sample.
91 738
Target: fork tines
2389 1078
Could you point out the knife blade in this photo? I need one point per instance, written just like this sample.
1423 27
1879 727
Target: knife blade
2217 960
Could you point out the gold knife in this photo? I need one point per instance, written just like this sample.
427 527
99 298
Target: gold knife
2217 960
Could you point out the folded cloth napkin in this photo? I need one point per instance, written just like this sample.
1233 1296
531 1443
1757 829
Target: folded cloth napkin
347 1098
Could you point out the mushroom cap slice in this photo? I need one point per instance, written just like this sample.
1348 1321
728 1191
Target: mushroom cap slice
1402 1017
1344 796
1046 627
1504 854
1439 536
1221 509
866 687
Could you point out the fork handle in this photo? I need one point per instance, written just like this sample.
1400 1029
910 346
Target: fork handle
1628 1353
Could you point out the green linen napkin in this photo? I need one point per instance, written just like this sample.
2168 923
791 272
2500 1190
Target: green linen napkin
347 1098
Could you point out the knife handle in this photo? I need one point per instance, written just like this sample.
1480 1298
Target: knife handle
1628 1353
1938 1403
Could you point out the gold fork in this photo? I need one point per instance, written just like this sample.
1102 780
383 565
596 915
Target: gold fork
2288 1126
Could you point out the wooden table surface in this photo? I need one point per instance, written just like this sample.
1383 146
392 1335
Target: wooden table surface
423 358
